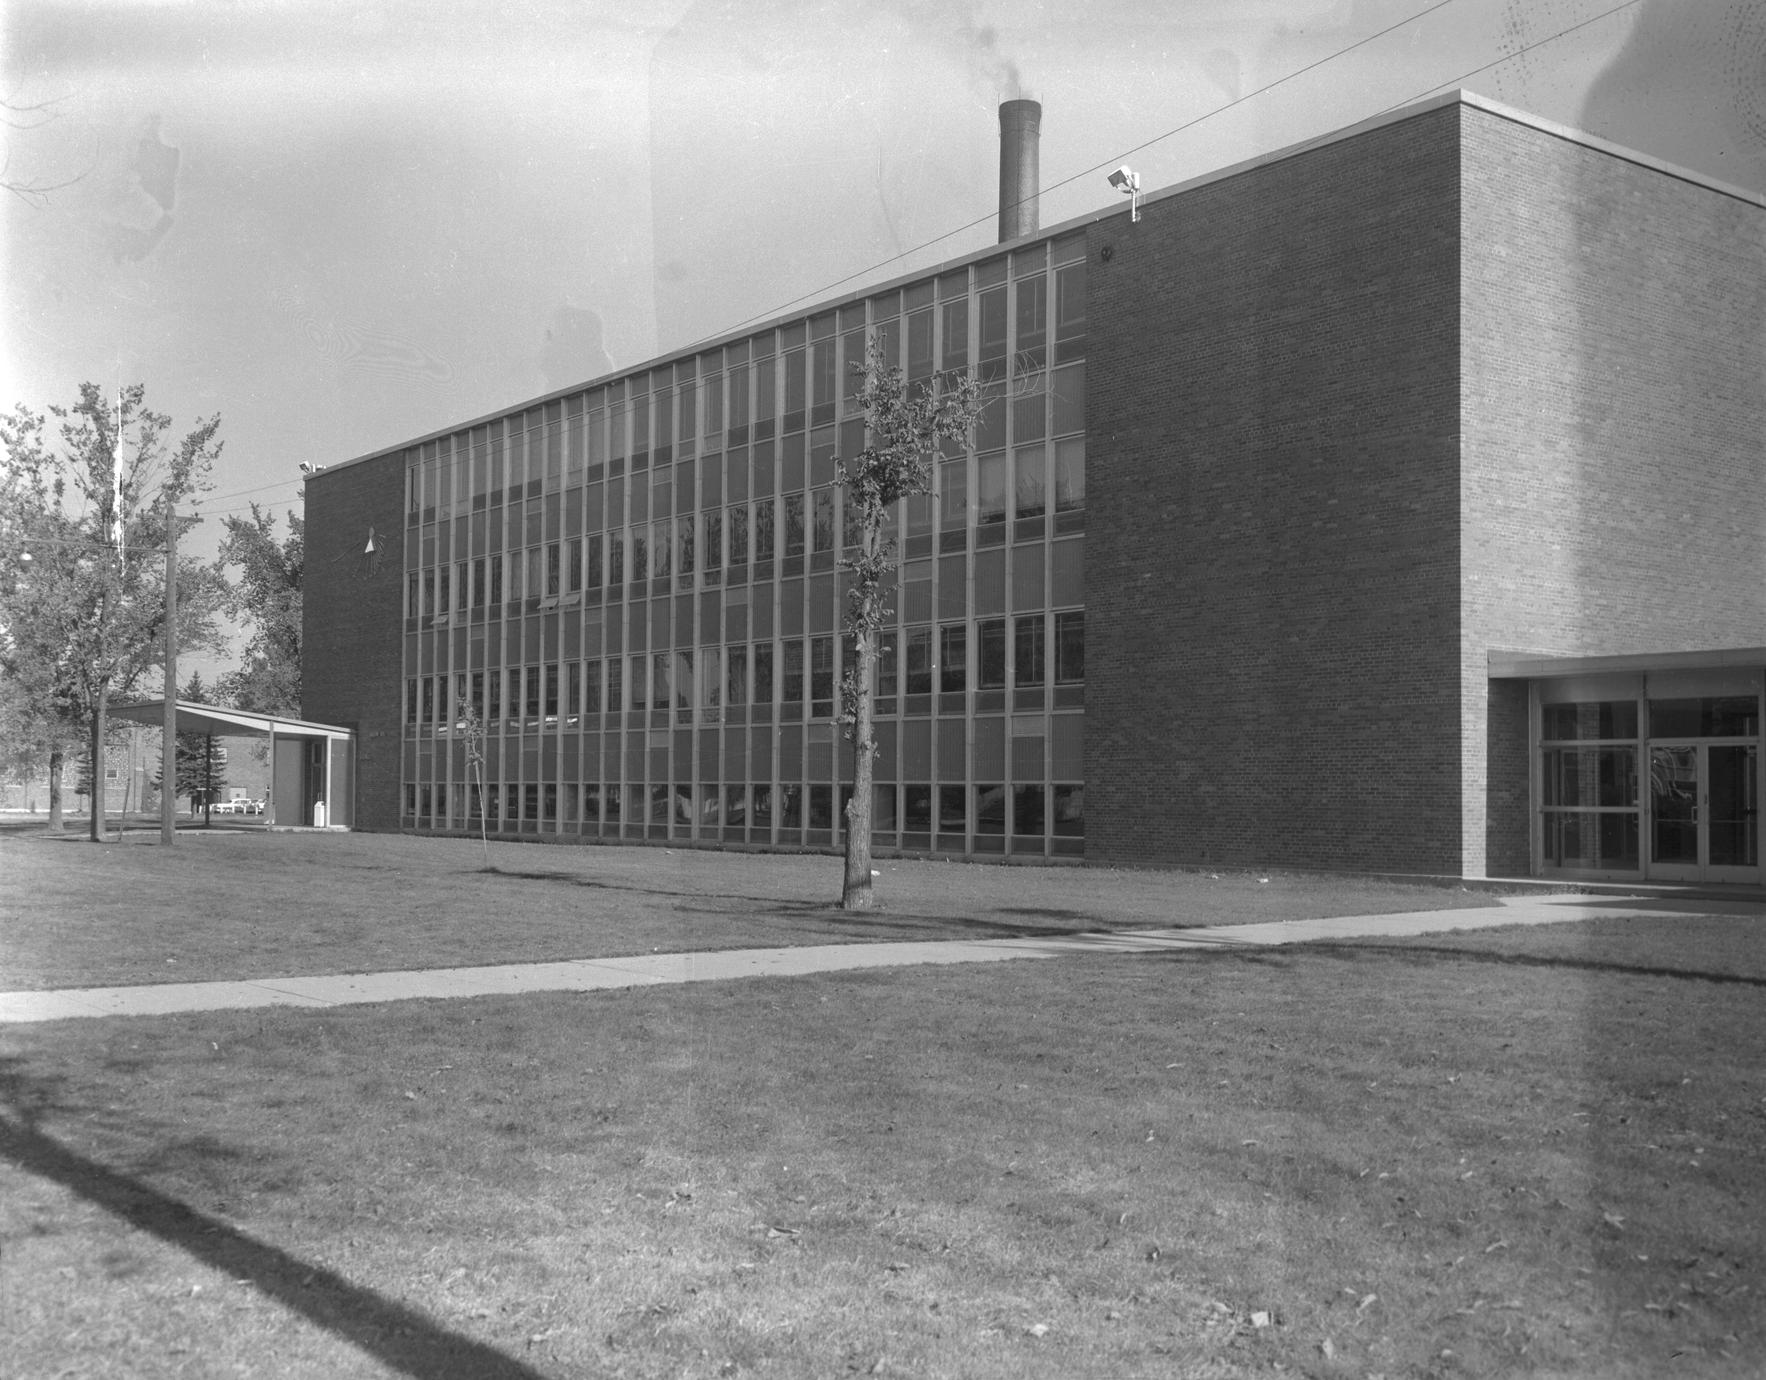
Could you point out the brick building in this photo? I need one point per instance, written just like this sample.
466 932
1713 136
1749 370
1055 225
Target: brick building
1393 502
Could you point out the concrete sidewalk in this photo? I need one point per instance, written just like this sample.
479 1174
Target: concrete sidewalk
645 970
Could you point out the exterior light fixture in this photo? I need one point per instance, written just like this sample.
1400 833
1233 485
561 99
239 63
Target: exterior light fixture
1127 181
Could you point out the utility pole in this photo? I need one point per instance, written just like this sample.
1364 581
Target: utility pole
168 751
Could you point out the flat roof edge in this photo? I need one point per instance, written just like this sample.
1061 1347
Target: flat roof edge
812 303
247 721
1516 665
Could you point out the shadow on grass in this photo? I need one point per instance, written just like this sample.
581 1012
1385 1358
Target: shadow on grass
399 1337
1430 952
882 924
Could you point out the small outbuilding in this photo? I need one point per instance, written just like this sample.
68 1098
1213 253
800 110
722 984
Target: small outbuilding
312 766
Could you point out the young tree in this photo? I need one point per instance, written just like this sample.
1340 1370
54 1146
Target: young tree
83 516
903 427
268 600
470 728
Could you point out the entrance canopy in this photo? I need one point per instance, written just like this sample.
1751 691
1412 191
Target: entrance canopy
312 766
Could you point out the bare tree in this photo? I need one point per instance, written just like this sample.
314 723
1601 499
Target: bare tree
903 427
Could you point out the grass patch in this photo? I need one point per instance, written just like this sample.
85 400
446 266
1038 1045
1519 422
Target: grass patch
250 904
1334 1161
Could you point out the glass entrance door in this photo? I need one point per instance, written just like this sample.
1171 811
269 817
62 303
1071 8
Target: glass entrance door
1704 812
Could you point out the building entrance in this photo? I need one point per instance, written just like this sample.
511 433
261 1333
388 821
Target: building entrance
1704 811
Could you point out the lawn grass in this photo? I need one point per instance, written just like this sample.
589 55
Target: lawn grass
1529 1152
251 904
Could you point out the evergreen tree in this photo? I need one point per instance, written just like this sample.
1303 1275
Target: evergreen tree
200 769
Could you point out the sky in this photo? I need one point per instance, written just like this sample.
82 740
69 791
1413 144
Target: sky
342 224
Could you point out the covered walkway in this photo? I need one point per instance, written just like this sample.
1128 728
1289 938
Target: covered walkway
312 765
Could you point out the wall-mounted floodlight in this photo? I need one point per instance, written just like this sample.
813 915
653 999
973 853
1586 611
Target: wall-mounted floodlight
1127 181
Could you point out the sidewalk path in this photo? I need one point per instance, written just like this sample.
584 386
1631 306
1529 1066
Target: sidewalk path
644 970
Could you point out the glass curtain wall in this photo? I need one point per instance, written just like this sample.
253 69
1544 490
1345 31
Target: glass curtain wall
623 606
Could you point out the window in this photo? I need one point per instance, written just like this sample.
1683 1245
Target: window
661 543
1069 474
793 672
953 658
494 711
591 687
953 494
824 531
1027 649
684 543
793 524
477 699
496 580
888 668
956 334
990 810
531 699
575 584
738 524
554 570
918 670
765 516
1030 476
990 497
1070 811
411 701
991 641
640 554
736 675
551 705
683 679
1070 312
992 305
1070 647
763 673
592 571
1032 322
478 582
821 675
714 540
615 688
953 815
660 697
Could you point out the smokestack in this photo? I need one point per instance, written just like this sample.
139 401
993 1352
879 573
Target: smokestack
1020 180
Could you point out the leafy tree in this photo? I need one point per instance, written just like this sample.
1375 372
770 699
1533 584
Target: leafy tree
903 427
268 599
199 769
83 526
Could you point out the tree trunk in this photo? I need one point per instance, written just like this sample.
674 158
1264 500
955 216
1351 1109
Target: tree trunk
857 893
57 759
99 726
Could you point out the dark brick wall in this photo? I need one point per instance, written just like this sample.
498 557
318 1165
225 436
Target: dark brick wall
1507 758
1272 580
354 609
1614 451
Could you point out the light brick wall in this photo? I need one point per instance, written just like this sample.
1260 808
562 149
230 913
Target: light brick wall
1614 426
